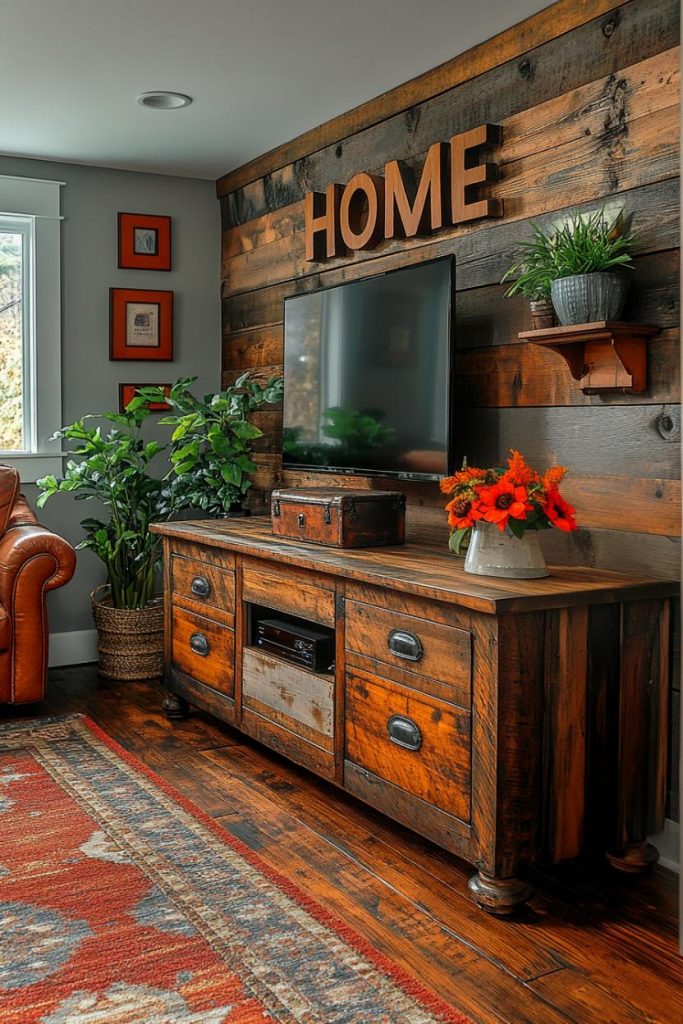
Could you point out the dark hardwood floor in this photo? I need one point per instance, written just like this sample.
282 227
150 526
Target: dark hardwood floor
593 948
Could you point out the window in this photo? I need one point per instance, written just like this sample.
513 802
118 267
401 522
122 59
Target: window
16 335
30 325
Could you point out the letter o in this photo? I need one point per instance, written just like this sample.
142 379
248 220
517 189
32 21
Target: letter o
362 229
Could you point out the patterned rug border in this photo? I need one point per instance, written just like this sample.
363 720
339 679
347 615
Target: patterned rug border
409 985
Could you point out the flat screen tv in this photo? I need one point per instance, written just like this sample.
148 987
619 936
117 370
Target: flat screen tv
367 375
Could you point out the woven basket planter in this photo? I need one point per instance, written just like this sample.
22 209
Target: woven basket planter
130 642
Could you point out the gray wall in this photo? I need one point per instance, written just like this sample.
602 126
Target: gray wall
90 202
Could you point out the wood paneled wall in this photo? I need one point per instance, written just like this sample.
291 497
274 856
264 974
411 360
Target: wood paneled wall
587 94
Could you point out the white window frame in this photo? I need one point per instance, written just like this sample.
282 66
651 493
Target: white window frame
37 203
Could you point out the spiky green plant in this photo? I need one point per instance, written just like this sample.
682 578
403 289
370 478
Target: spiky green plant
582 245
591 245
533 268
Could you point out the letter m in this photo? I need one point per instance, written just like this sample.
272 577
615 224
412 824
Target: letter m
421 216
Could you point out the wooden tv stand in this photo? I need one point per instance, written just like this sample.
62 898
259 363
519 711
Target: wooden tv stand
513 722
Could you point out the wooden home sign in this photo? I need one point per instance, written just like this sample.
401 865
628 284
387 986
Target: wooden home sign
370 208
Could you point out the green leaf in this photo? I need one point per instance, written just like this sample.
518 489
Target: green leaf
517 526
231 473
179 431
184 467
245 430
191 450
458 538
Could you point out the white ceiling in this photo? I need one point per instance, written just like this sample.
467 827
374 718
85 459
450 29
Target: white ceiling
260 71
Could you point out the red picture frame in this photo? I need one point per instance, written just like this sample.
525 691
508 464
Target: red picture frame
127 393
144 242
140 324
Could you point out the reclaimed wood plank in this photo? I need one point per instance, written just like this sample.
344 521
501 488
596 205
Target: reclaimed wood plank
565 704
587 439
306 698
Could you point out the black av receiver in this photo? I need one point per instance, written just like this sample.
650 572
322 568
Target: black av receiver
304 645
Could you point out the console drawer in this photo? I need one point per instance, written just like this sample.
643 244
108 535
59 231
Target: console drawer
410 739
204 650
289 592
289 696
417 652
202 587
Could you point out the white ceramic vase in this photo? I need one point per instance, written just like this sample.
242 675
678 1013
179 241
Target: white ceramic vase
494 552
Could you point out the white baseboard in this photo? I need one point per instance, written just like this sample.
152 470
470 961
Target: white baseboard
76 648
668 843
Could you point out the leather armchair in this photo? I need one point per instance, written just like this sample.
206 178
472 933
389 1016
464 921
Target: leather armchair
32 561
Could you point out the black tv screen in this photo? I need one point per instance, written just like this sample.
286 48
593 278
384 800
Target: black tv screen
367 375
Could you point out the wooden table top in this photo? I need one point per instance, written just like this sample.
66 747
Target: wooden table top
424 570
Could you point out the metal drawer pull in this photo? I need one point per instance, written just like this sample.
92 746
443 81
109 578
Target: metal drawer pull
301 520
200 586
405 645
199 644
404 732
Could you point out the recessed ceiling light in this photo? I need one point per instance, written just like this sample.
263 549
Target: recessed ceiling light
164 100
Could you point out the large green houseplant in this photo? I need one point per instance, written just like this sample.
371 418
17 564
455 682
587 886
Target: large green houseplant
111 466
579 264
212 441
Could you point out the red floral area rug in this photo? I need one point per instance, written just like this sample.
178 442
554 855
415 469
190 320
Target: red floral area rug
121 903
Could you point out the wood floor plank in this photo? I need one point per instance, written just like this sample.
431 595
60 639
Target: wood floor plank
584 1001
393 924
558 925
346 828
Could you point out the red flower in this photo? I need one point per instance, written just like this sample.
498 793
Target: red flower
460 513
518 472
559 512
501 502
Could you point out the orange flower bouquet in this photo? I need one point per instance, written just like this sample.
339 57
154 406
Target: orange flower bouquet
517 498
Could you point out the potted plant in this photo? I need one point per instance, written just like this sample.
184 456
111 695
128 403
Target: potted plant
588 253
581 260
212 442
533 270
498 512
114 470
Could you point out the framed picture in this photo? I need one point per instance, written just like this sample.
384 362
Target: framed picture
141 324
144 242
127 394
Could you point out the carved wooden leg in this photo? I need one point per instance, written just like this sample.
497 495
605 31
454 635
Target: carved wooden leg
499 896
635 859
174 707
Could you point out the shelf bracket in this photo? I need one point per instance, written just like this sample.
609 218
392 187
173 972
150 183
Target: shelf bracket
607 356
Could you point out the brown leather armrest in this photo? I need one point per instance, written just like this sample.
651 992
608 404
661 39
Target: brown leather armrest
40 557
33 560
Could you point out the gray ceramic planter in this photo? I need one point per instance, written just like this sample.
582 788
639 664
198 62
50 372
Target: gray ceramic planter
585 298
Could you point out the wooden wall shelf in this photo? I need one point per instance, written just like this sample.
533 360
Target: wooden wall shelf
602 356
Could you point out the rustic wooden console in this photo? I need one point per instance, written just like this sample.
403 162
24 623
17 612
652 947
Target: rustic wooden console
513 722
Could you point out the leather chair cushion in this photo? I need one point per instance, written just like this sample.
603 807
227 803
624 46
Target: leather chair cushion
9 489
